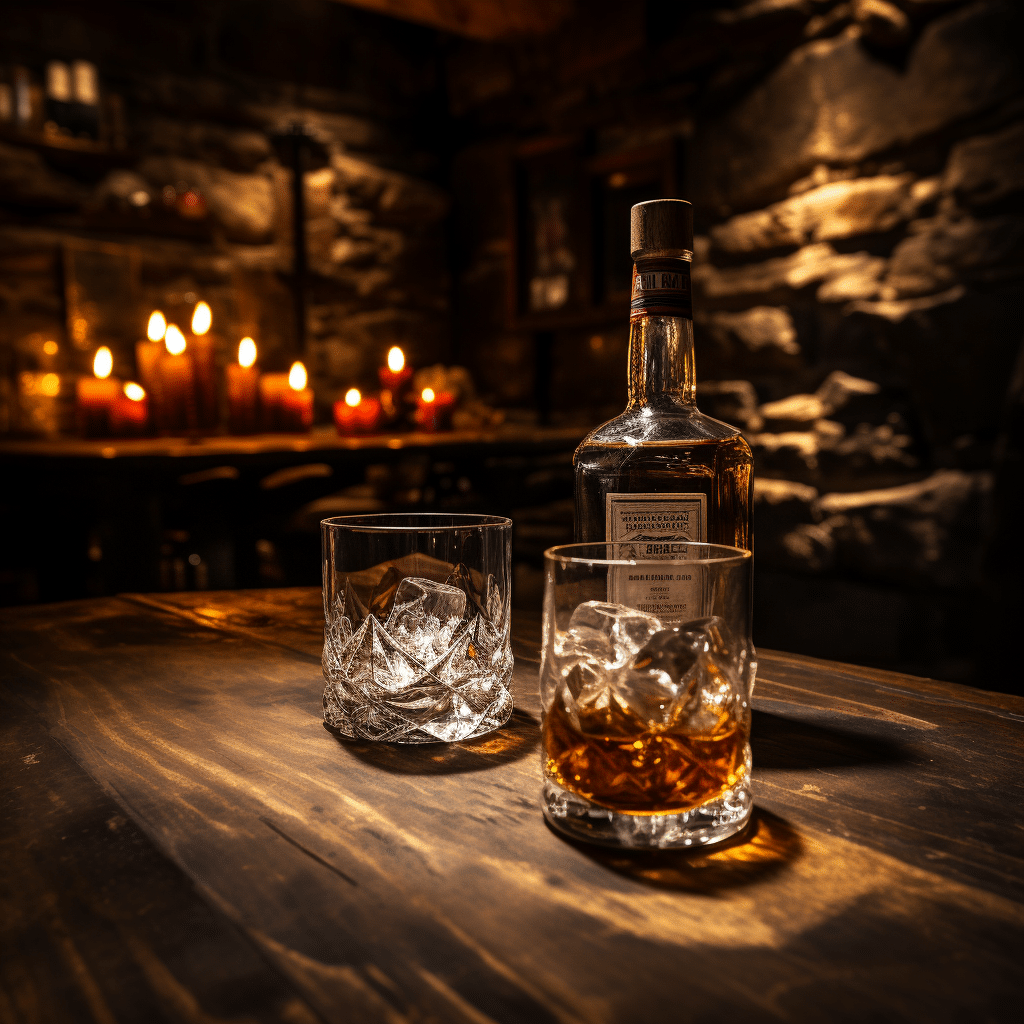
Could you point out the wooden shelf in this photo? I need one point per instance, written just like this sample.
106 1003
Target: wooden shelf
320 439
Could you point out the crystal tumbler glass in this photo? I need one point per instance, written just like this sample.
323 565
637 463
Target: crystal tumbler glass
416 635
647 668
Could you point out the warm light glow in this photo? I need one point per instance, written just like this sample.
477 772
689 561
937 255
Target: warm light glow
246 352
202 317
103 362
50 348
428 395
134 391
297 377
174 340
157 326
396 359
353 397
50 385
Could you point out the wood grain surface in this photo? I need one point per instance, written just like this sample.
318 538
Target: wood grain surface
184 841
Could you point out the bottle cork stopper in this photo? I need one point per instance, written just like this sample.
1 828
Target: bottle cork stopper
661 227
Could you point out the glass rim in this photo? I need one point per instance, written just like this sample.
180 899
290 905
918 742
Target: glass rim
564 553
376 522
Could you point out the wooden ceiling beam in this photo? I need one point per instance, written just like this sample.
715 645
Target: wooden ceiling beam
478 19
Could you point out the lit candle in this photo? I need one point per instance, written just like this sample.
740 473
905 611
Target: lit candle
396 375
204 364
243 380
96 395
177 383
434 410
297 401
129 415
147 358
355 414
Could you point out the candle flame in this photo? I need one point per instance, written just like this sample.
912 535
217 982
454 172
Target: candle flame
428 395
353 397
134 391
174 340
297 377
103 362
396 359
202 318
246 352
157 327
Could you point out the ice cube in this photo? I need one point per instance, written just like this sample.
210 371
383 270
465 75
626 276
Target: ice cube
659 676
416 600
627 628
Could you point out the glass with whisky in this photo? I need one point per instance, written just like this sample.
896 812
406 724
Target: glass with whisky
662 473
647 669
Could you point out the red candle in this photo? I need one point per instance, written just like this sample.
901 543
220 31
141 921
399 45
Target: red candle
177 384
147 357
434 410
95 396
355 414
204 366
396 375
129 415
272 387
243 379
297 401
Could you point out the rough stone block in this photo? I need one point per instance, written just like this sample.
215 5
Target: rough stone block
951 248
831 101
787 535
242 204
26 180
732 401
817 264
987 168
397 198
840 209
761 339
928 531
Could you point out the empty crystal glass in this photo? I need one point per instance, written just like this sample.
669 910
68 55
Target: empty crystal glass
416 635
647 707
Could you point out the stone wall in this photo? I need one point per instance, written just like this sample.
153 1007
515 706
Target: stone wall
856 174
202 90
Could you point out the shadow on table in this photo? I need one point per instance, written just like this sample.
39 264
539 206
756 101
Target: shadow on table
780 742
764 848
514 740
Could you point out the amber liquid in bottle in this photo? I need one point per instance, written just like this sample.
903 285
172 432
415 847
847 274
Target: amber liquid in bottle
663 445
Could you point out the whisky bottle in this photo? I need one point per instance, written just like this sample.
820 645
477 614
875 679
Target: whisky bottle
662 473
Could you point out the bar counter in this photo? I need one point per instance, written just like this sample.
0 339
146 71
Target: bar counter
184 841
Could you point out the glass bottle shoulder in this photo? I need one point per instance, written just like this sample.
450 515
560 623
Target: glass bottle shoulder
671 423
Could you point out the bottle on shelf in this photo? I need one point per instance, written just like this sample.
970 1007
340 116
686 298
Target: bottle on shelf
662 473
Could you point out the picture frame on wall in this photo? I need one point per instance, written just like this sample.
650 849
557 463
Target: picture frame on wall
551 258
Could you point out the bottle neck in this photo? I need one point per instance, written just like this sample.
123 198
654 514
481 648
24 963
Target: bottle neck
661 363
661 333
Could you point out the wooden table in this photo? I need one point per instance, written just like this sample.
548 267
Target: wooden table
184 841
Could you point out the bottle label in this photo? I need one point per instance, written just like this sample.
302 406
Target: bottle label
655 527
661 287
